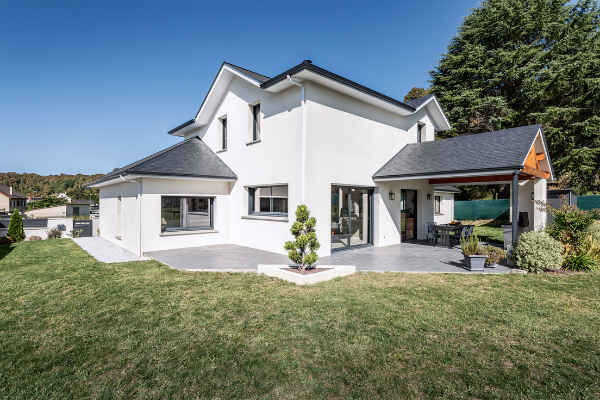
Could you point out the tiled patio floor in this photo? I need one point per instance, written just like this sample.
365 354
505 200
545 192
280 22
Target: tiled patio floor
405 257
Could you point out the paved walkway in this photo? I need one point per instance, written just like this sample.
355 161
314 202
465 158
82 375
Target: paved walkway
105 251
405 257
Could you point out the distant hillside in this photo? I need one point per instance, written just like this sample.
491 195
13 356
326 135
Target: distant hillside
46 185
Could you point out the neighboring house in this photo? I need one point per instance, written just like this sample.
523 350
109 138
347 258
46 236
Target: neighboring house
64 210
10 199
64 196
30 199
364 164
443 198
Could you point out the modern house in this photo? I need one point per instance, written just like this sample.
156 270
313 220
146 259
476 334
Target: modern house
443 199
10 199
258 147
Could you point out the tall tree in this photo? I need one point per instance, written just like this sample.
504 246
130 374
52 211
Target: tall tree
416 92
519 62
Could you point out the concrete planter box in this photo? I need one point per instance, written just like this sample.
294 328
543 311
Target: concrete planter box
277 271
475 263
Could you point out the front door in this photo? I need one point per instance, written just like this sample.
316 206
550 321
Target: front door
350 217
408 214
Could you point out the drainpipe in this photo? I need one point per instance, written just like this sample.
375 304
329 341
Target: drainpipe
303 145
139 201
515 210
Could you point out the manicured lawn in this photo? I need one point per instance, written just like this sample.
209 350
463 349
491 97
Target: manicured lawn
488 230
71 327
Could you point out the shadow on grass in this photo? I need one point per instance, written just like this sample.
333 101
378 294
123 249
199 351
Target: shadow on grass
5 249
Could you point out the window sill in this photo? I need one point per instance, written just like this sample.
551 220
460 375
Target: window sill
220 151
438 214
195 232
266 217
118 237
253 142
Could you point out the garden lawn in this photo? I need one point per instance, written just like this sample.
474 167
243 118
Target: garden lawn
72 327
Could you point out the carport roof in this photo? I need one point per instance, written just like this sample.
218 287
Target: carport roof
189 158
490 151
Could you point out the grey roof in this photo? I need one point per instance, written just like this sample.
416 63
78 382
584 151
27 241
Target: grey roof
5 190
489 151
416 103
190 158
253 75
450 189
82 201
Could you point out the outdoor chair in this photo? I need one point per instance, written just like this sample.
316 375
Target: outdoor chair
469 231
432 234
455 239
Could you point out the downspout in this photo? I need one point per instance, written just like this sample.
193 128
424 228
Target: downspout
515 210
139 201
303 144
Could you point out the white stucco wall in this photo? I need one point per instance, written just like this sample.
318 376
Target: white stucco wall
537 219
447 208
130 232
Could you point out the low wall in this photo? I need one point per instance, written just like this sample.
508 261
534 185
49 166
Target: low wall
482 209
41 232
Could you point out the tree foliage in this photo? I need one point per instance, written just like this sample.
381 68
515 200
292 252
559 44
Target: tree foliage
416 92
48 201
15 227
521 62
40 185
303 249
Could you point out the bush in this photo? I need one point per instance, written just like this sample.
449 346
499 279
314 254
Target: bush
54 233
34 238
75 233
302 251
6 240
495 254
580 262
590 245
15 227
537 252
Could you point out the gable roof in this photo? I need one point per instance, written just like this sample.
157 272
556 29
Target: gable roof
189 158
306 71
490 151
448 189
5 190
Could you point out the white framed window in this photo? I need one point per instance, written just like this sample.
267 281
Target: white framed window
420 132
255 122
268 200
186 213
223 133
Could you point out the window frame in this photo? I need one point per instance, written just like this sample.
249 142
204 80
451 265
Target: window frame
182 200
255 122
437 200
251 194
224 133
419 133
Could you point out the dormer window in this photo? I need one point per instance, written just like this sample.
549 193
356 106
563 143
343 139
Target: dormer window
256 122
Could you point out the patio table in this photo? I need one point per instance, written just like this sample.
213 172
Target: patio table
445 232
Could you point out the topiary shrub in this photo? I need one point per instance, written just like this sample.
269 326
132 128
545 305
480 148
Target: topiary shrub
6 240
537 252
302 251
54 233
15 227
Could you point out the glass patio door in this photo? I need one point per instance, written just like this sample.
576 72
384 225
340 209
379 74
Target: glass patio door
350 216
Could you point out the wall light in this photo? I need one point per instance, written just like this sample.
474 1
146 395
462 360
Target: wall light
392 195
428 196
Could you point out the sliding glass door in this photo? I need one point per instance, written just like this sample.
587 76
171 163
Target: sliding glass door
350 216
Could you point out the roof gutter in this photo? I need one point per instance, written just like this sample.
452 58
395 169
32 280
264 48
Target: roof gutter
303 144
139 201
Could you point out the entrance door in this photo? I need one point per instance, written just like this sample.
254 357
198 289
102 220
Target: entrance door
408 214
350 217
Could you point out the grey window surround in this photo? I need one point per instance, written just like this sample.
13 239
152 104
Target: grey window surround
183 207
253 142
220 151
266 217
251 194
419 132
224 133
255 122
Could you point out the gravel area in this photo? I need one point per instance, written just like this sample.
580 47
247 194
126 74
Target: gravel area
105 251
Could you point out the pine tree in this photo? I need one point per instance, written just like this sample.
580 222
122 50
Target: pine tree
302 251
15 227
520 62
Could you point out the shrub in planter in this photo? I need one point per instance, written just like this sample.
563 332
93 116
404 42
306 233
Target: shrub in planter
34 238
15 227
475 255
6 240
537 252
494 254
54 233
303 249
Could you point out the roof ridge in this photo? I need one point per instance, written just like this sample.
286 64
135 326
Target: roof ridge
245 69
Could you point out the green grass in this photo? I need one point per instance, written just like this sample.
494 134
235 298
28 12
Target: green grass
71 327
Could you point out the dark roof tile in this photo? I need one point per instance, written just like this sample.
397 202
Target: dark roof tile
5 190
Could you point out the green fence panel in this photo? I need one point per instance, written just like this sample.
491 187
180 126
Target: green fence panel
482 209
588 202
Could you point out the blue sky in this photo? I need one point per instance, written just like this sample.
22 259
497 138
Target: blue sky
87 86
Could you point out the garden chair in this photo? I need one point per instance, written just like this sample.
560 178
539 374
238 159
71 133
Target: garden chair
469 231
455 239
432 233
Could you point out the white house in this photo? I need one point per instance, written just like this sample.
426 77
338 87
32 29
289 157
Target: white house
443 207
258 147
